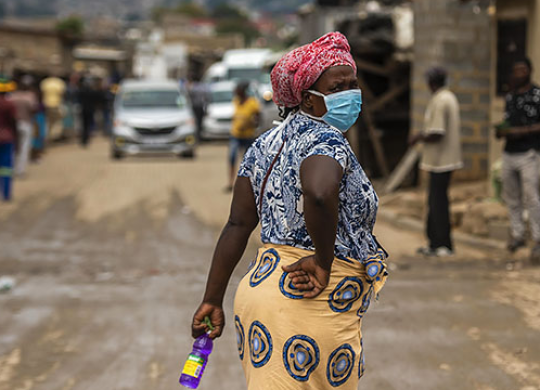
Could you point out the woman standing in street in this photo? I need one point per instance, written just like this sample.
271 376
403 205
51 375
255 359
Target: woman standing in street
243 127
298 310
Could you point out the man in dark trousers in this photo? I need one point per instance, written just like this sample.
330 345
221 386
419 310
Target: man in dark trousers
441 156
521 129
89 98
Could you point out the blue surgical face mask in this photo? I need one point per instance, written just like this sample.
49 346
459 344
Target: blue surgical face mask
342 108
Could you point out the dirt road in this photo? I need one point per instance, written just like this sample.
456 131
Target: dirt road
110 260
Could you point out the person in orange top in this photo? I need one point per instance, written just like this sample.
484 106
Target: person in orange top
244 125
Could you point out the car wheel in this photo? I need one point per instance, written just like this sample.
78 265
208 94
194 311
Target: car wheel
117 155
187 154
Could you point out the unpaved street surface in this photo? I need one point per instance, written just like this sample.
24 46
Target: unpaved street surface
110 260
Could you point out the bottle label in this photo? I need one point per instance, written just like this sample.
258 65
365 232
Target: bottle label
193 366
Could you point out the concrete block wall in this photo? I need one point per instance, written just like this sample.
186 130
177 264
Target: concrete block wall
449 33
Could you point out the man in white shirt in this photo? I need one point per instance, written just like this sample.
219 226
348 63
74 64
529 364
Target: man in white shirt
440 157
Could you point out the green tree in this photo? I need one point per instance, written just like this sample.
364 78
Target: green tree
191 9
72 26
226 11
239 26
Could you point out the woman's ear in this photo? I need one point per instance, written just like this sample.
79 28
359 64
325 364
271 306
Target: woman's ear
307 101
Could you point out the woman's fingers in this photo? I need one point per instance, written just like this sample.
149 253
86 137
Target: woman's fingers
304 286
300 279
297 274
216 332
313 293
292 267
197 330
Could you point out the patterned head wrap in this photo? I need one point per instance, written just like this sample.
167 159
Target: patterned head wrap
301 68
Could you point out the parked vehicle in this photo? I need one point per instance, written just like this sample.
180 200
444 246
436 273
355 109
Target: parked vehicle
245 64
216 72
152 117
220 109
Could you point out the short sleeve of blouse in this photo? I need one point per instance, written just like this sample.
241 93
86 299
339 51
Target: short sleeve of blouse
248 163
328 143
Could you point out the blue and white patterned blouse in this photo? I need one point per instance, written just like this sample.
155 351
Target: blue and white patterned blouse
282 219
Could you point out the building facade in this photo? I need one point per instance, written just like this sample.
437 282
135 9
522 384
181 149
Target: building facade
477 42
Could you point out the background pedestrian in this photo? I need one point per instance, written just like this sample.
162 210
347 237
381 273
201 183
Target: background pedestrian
244 126
53 89
521 131
441 156
8 138
26 104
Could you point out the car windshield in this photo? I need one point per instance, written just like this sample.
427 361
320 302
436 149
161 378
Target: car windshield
153 98
223 96
265 78
244 74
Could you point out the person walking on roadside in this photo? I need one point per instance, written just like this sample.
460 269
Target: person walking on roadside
26 104
441 156
8 138
298 311
198 96
40 140
521 130
90 98
244 125
53 89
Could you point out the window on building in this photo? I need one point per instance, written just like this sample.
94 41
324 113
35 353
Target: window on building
511 45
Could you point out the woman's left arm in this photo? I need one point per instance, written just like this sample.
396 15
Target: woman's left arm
320 177
242 221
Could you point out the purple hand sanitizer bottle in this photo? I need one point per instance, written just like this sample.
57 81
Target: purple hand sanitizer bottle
196 361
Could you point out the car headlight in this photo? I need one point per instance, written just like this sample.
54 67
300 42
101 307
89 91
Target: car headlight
267 95
188 122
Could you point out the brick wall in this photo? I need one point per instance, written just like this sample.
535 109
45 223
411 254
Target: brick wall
451 34
33 51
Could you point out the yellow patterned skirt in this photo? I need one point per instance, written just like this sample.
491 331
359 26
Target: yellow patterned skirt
288 342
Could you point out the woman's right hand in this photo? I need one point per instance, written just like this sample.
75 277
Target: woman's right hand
217 319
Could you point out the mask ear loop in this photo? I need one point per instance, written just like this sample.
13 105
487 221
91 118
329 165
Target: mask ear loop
317 93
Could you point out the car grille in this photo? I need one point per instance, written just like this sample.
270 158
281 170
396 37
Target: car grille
158 131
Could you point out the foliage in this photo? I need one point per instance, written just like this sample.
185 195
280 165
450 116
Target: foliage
239 26
191 9
72 26
226 11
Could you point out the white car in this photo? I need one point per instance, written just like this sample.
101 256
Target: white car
219 111
152 117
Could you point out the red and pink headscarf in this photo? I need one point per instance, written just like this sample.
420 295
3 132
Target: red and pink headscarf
301 68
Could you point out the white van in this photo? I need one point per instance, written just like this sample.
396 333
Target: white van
245 64
215 73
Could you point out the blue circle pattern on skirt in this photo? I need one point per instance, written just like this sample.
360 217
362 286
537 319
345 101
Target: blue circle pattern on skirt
301 356
260 344
340 365
240 337
348 291
287 288
267 264
362 362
